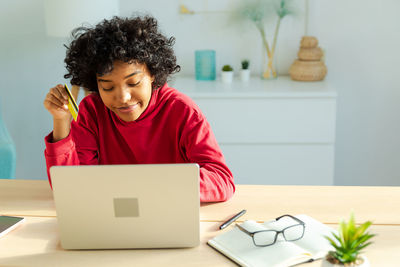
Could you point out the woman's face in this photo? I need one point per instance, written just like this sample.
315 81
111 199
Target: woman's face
126 90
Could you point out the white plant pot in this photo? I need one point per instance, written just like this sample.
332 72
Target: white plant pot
363 263
227 76
245 75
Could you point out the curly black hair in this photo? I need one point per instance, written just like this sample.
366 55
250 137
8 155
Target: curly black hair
93 50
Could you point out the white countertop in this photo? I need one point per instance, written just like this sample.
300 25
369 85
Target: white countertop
282 87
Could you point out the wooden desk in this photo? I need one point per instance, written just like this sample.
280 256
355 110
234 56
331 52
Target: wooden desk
327 204
36 242
26 198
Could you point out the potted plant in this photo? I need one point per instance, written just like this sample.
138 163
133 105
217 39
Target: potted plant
348 244
227 74
245 72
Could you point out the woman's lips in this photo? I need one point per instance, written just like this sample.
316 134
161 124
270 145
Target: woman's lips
128 109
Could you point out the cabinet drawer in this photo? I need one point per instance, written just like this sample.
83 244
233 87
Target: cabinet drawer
271 120
281 164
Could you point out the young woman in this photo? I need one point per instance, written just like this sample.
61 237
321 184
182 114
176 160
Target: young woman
132 115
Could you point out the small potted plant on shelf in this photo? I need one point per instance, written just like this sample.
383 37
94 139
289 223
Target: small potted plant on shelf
348 244
227 74
245 72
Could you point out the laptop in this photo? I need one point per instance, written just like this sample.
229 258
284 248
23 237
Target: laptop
127 206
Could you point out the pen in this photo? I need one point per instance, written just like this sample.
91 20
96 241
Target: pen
231 220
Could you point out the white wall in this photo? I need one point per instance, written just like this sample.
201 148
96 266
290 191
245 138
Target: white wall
30 63
361 39
232 40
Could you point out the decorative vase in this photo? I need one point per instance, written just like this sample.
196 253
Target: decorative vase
362 261
310 54
245 75
269 66
7 153
227 76
309 66
205 65
307 70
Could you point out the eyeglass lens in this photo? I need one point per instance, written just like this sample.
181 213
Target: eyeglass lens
266 238
294 232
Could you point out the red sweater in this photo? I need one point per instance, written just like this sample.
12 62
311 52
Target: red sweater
171 130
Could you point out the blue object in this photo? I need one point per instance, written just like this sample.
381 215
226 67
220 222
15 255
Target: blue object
7 153
205 65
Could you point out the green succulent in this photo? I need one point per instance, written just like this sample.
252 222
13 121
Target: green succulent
227 68
349 242
245 64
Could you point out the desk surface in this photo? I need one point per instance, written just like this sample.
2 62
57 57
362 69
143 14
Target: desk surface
327 204
36 242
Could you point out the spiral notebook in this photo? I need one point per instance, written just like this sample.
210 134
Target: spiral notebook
239 247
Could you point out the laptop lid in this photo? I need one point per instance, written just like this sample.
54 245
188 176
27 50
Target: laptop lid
127 206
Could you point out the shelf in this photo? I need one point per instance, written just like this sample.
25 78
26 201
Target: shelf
282 87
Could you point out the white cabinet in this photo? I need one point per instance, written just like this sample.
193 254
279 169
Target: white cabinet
271 132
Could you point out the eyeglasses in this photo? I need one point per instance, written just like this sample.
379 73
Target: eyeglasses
266 238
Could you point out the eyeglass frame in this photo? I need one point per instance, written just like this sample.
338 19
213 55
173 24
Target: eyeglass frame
300 222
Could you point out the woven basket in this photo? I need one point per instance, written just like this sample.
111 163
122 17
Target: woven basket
308 42
313 54
307 70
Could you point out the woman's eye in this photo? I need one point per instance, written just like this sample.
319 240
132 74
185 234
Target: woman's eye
108 89
133 84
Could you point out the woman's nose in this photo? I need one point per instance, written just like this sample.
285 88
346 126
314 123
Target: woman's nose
124 95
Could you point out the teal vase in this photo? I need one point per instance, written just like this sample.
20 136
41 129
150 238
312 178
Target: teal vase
7 153
205 65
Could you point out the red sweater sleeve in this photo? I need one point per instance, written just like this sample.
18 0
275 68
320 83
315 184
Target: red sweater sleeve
78 148
200 146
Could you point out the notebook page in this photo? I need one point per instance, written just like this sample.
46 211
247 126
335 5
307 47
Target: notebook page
313 239
239 246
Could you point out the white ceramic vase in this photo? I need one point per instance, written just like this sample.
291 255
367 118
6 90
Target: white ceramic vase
363 262
227 76
245 75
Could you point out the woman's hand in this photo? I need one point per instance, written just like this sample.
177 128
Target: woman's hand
56 102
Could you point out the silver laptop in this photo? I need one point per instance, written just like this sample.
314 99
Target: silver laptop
127 206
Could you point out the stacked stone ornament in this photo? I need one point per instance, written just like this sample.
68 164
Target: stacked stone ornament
308 66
